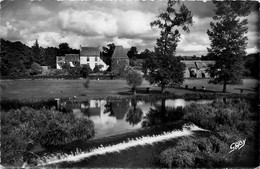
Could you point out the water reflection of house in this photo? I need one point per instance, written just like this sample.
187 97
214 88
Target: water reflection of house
70 105
93 108
120 109
96 108
197 68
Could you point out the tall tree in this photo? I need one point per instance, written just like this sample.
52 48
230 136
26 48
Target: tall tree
251 64
15 58
64 49
107 54
164 67
145 54
50 56
228 42
132 53
38 53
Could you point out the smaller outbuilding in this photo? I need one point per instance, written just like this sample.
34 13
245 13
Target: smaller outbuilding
197 68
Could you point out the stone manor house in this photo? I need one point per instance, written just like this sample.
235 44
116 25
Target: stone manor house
92 56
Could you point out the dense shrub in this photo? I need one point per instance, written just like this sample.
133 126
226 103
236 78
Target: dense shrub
28 127
6 104
12 150
194 152
228 122
85 71
35 69
97 68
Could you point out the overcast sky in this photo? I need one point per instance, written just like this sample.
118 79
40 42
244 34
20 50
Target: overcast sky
100 22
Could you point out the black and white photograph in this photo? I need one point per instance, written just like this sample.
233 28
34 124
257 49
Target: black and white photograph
129 84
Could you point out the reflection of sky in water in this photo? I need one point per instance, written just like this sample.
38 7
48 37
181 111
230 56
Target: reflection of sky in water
181 102
115 122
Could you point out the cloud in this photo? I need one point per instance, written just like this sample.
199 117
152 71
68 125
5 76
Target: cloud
128 43
38 11
108 24
47 38
8 31
90 23
252 50
101 22
201 9
133 22
197 41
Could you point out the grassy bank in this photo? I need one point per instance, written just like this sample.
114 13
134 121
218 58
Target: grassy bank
32 90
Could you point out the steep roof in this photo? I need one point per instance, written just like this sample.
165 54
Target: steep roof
120 53
71 57
197 64
203 64
89 51
189 64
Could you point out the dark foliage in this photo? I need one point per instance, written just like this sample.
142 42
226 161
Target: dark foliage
25 127
17 58
132 54
164 68
6 105
85 71
251 64
228 42
35 69
107 54
228 122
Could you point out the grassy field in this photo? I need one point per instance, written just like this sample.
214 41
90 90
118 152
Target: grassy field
53 88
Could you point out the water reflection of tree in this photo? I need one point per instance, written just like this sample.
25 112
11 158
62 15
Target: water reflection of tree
162 114
109 109
134 114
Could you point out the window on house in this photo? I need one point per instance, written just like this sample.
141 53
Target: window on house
87 59
96 59
59 58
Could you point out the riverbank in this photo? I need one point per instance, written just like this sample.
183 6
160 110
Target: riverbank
33 90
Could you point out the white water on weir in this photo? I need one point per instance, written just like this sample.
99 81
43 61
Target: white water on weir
80 155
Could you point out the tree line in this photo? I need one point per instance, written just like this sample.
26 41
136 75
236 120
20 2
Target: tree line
17 58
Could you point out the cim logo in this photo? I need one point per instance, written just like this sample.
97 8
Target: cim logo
237 145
